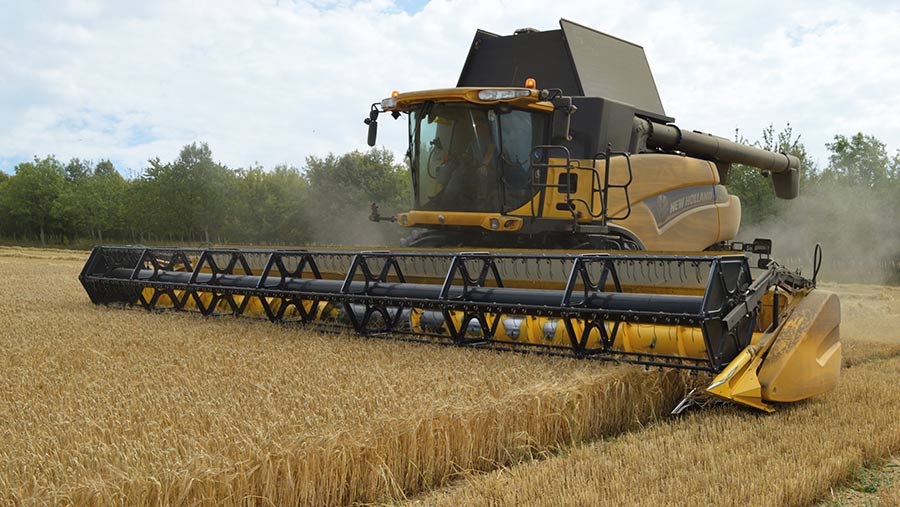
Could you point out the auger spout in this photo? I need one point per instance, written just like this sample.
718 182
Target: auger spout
785 168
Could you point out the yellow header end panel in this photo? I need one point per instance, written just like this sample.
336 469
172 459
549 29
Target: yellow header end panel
805 358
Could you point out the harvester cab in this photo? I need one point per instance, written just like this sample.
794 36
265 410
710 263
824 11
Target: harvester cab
560 212
559 139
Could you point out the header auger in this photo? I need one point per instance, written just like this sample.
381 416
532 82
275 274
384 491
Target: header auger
575 219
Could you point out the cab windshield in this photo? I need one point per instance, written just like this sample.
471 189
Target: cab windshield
471 158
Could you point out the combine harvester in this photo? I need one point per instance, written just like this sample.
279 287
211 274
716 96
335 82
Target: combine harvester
571 219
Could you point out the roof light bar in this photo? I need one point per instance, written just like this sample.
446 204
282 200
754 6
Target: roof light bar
491 95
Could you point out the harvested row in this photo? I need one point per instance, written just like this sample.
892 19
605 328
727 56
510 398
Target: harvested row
726 456
18 252
870 322
890 494
108 406
874 486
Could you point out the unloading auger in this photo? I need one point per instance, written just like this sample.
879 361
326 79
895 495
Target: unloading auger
771 339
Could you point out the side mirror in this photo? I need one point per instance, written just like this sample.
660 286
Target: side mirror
563 109
372 122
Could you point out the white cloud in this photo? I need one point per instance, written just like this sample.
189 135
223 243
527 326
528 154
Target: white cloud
275 81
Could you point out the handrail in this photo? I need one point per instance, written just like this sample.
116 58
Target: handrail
604 196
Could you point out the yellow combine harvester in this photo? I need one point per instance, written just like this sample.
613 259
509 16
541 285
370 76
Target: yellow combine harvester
568 218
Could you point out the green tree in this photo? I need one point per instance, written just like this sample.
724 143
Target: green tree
860 160
93 201
187 199
140 216
270 206
78 170
343 187
204 190
71 208
106 188
29 195
7 225
755 188
895 166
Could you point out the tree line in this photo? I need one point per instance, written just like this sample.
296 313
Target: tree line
194 199
850 206
858 165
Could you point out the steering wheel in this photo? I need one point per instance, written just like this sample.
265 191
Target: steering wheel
432 172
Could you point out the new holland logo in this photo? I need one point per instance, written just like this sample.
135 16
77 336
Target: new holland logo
675 202
662 207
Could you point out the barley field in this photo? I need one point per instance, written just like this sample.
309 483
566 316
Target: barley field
123 407
803 454
720 457
111 406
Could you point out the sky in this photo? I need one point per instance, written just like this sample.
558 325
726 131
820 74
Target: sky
274 81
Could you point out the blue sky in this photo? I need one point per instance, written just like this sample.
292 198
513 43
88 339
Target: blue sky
411 6
275 81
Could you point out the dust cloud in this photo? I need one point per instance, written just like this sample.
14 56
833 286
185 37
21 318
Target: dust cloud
353 228
858 228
